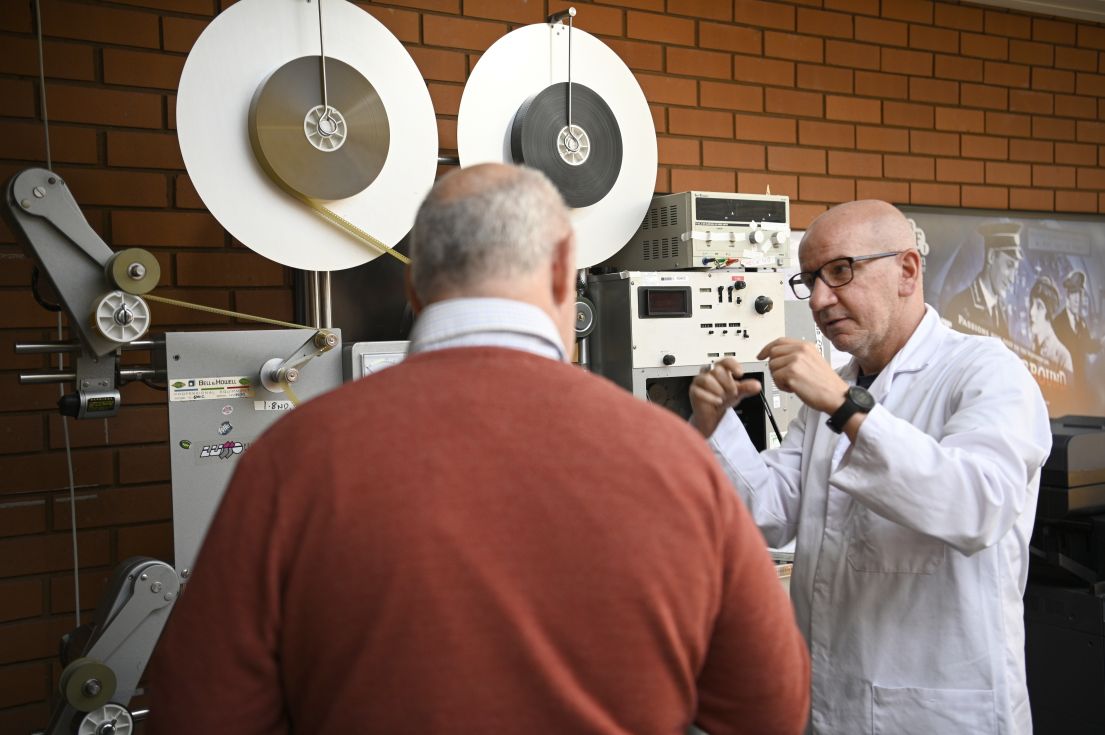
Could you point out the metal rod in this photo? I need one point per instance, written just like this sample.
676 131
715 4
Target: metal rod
51 377
128 374
325 314
40 348
448 160
571 133
145 344
322 55
311 304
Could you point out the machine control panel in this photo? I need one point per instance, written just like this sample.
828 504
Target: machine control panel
697 229
677 318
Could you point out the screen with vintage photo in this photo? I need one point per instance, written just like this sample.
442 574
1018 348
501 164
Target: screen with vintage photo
1036 282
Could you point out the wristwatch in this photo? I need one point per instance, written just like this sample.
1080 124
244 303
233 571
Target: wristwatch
856 400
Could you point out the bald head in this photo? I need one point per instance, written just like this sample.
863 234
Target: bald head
881 226
483 227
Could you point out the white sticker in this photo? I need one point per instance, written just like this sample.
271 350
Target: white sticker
207 389
273 405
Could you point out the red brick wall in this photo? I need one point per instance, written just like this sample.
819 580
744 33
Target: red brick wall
913 101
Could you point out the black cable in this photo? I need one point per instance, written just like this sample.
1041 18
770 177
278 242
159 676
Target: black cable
38 297
770 416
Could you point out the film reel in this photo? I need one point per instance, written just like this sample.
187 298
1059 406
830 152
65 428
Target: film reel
583 161
241 55
330 151
521 70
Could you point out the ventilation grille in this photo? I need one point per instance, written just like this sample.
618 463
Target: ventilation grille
660 217
660 249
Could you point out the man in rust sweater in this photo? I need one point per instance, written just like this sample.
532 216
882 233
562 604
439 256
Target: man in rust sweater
484 538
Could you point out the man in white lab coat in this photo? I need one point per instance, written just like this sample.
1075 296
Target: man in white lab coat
909 479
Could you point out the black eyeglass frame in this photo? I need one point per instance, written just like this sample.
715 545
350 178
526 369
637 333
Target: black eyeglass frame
809 278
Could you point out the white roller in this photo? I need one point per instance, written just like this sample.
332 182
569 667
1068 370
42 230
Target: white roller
521 64
231 59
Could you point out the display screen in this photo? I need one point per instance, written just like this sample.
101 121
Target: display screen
716 209
664 301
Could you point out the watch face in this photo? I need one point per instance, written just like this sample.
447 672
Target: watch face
861 398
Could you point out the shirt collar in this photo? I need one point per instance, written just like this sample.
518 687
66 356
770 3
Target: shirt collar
487 322
917 352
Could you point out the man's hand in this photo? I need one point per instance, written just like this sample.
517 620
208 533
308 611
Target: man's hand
716 390
798 367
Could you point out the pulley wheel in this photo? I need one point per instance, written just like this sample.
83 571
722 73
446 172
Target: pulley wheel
585 317
134 270
111 719
87 684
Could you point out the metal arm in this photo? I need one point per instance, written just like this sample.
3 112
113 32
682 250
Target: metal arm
107 668
277 373
99 289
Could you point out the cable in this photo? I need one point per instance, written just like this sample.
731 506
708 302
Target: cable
42 84
37 296
61 356
771 416
72 490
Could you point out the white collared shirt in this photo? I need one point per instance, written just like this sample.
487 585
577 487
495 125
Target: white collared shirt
486 322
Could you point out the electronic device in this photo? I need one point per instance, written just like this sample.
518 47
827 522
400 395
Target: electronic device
365 358
697 229
655 320
655 331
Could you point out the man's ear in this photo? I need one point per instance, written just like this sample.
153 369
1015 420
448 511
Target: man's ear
910 278
412 295
564 271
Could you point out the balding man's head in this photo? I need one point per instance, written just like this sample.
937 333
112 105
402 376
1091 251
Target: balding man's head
872 311
485 225
876 224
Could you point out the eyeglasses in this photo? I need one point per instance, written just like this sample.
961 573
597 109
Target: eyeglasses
834 274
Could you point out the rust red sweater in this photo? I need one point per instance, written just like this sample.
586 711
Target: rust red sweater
484 541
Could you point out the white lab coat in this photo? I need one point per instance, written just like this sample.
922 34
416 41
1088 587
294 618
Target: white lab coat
912 545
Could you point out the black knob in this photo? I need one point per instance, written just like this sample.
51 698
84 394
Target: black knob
69 405
739 285
669 359
764 304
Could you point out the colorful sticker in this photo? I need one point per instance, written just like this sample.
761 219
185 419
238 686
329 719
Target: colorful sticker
185 444
228 409
217 451
206 389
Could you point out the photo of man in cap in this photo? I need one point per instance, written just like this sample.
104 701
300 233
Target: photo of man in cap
981 308
1070 324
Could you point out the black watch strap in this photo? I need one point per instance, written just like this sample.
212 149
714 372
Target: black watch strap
856 400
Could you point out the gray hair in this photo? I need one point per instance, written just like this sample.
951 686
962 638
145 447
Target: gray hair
485 223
